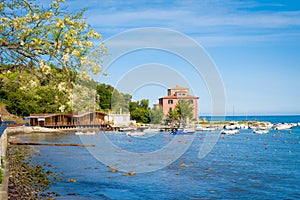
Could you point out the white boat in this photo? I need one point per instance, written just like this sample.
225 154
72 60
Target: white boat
265 126
199 127
244 126
232 125
230 132
262 126
283 126
85 133
189 130
135 134
151 130
125 129
261 131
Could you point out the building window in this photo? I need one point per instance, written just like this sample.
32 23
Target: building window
191 101
170 101
170 109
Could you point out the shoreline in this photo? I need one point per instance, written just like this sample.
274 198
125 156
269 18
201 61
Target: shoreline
4 139
28 179
4 165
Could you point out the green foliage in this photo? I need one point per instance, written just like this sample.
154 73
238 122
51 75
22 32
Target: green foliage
23 93
33 35
140 115
45 54
140 111
105 93
134 105
120 102
182 112
110 99
157 116
1 176
144 104
173 115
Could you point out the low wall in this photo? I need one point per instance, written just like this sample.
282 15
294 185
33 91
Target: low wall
5 170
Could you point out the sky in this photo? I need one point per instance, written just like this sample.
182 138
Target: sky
254 45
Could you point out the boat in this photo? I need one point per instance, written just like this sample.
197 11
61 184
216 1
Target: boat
265 126
230 132
85 133
244 126
199 127
151 130
125 129
177 131
261 131
183 131
189 130
284 126
232 125
135 134
262 126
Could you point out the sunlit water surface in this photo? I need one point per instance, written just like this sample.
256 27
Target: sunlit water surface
243 166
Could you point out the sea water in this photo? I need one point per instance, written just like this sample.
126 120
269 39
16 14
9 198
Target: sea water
243 166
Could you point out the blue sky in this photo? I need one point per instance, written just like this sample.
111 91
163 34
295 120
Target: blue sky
255 46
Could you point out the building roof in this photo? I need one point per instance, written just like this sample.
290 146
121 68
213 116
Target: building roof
179 97
179 88
43 115
46 115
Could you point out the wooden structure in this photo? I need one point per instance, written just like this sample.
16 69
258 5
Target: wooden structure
87 119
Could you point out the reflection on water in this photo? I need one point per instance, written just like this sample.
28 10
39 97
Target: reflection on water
239 166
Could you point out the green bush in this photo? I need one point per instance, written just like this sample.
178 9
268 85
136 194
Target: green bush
1 176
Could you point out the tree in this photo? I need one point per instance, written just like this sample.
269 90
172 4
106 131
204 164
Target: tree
23 94
36 36
134 105
174 118
156 115
111 99
144 104
120 102
140 111
182 113
140 115
56 49
184 110
105 92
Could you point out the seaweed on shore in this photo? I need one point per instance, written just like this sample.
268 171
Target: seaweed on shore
27 180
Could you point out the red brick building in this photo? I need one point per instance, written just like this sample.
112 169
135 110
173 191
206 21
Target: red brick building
175 95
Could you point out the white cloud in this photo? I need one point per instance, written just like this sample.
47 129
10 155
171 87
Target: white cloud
190 19
229 20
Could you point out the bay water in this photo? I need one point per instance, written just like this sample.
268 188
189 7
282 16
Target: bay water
242 166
